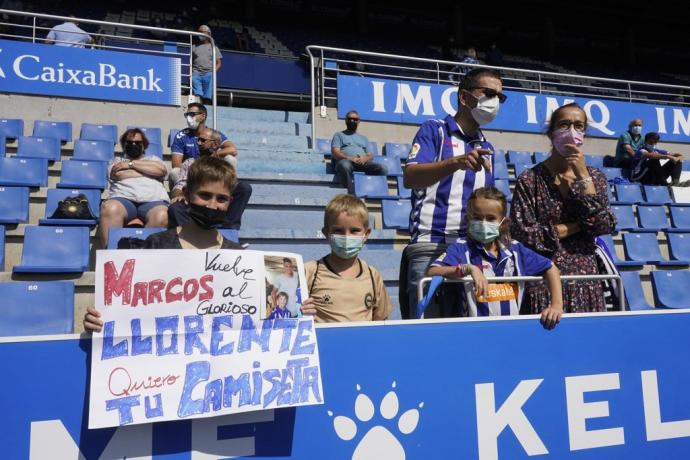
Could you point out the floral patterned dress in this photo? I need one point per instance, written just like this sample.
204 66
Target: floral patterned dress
537 207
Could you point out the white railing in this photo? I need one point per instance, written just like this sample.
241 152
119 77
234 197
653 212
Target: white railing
513 279
37 34
327 63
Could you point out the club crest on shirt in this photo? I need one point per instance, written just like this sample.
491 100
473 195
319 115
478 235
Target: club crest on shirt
413 151
369 300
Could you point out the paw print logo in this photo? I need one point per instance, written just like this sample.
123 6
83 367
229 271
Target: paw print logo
379 441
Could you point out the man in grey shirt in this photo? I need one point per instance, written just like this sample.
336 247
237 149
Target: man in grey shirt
202 66
68 34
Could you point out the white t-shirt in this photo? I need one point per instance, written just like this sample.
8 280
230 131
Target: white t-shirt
138 189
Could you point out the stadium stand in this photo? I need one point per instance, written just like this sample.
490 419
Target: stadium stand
51 301
60 130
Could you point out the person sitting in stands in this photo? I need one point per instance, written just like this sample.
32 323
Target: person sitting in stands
628 143
647 167
135 187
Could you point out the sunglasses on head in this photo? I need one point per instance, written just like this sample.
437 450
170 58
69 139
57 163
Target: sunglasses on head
490 93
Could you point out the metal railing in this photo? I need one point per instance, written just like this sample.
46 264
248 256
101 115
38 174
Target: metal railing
326 63
37 34
513 279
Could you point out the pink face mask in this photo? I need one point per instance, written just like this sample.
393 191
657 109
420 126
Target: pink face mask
561 138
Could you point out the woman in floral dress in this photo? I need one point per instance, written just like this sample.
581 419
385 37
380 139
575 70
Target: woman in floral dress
558 209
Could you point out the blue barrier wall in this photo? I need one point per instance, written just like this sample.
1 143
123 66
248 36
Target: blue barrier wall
611 386
263 73
404 101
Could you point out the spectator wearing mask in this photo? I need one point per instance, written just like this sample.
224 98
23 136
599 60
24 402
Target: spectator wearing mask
203 65
628 143
135 187
68 34
350 151
209 142
646 164
449 159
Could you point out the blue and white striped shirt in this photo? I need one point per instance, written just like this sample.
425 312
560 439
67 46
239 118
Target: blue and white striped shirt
502 299
438 211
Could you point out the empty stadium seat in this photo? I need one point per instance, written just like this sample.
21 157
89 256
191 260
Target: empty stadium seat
373 148
657 194
595 161
392 163
3 146
11 128
665 285
519 156
628 194
47 148
396 214
152 134
504 186
83 174
608 239
679 246
36 308
55 195
14 205
26 172
644 247
500 168
652 218
399 151
2 249
403 192
634 294
95 132
54 250
612 173
60 130
155 150
520 167
625 217
323 146
230 234
540 156
85 150
680 218
375 187
116 233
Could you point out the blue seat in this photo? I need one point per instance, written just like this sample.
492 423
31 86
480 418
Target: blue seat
54 250
116 233
628 194
152 134
323 146
60 130
625 217
595 161
679 246
373 148
680 218
375 187
83 174
519 156
11 128
14 205
95 132
85 150
608 239
3 146
644 247
392 163
155 150
500 168
230 234
657 194
36 308
171 136
634 295
23 172
612 173
520 167
504 186
55 195
394 150
652 218
47 148
665 285
396 214
403 192
2 248
540 156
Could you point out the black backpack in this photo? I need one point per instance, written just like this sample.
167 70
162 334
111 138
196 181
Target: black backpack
73 207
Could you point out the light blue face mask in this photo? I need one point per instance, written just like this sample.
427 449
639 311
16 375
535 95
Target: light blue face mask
346 247
483 231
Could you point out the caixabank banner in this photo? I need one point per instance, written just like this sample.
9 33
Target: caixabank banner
409 102
598 386
30 68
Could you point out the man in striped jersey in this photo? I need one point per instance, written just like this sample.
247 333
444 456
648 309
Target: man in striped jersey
448 160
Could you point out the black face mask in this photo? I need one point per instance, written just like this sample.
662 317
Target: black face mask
206 152
351 125
206 217
134 150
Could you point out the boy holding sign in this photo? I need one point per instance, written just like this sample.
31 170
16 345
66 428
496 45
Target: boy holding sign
209 186
342 286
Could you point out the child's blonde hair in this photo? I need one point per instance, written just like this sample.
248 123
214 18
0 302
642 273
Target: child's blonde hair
492 193
350 205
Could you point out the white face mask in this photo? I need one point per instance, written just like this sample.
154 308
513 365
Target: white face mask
486 110
636 130
192 122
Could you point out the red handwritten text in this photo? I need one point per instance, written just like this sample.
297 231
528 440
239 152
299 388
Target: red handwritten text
120 383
